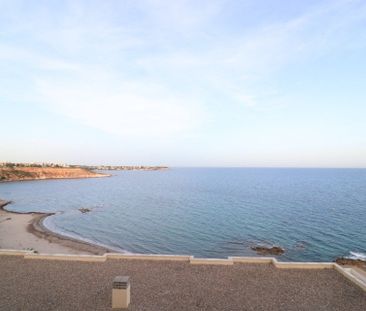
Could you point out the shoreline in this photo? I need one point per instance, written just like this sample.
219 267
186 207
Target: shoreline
23 173
53 178
26 230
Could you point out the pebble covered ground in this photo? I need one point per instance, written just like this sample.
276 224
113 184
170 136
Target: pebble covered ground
162 285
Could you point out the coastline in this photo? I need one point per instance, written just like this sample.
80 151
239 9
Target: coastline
100 175
11 174
27 231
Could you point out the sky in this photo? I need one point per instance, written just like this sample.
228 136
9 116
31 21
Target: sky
251 83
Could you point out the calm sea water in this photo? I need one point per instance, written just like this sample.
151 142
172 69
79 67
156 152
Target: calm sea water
315 214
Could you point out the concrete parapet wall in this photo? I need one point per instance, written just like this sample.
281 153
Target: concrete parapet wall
302 265
210 261
148 257
265 260
349 272
12 252
89 258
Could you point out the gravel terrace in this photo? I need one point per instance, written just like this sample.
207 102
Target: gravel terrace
27 284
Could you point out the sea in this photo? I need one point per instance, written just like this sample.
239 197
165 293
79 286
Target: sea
314 214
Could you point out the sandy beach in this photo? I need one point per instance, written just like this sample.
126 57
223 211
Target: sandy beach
23 231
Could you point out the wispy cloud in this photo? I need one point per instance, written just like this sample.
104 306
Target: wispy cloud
164 69
127 109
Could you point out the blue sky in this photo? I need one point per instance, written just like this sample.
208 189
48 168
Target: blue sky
184 83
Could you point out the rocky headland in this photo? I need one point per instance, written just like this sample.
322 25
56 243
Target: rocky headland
17 173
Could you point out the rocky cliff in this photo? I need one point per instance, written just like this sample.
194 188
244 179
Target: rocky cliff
31 173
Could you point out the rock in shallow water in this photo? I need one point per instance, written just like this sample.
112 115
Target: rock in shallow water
351 262
263 250
3 203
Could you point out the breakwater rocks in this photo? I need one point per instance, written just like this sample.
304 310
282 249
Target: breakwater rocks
344 261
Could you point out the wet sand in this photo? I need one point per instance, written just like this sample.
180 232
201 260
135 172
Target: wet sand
23 231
